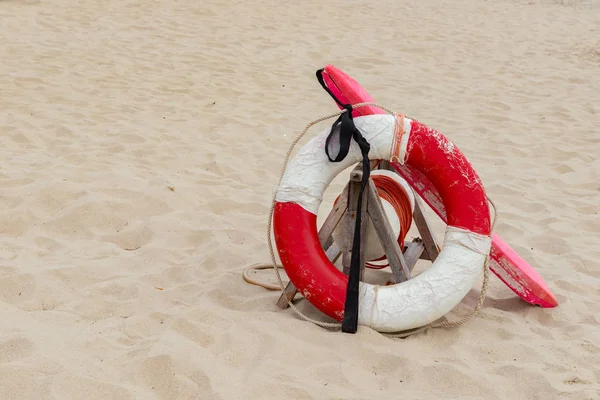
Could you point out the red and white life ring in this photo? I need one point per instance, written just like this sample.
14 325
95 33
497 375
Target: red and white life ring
405 305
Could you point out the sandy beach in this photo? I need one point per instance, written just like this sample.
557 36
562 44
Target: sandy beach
141 143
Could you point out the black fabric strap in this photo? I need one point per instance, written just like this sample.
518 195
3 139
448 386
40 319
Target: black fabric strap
322 82
344 130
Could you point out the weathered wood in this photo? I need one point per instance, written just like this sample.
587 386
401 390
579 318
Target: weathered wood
429 240
287 295
423 256
385 164
413 252
326 240
364 219
333 219
333 253
400 270
357 173
350 221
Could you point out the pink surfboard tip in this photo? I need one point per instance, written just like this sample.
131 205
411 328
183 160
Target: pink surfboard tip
524 280
348 91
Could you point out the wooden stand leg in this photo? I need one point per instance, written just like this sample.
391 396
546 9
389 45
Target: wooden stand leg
400 270
426 248
414 251
326 239
429 241
350 221
385 164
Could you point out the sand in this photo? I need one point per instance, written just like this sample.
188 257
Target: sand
140 145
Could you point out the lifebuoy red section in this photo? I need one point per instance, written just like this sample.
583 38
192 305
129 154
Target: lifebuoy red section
452 175
296 237
304 260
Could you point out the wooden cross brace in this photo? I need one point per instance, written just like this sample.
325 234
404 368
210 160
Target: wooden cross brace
401 261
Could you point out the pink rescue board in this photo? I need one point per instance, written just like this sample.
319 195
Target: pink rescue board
511 268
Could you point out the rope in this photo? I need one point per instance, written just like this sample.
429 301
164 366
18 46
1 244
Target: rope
388 189
257 267
263 266
332 325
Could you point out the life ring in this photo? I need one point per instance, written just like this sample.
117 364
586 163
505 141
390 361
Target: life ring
406 305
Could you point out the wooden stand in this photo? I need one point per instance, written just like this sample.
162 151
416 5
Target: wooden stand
401 261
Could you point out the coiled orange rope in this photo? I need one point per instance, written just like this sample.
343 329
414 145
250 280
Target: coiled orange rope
391 191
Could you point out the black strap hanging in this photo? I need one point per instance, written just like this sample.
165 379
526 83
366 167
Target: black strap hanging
345 130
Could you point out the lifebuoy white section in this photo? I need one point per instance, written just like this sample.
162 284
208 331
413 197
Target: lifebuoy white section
433 293
309 172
